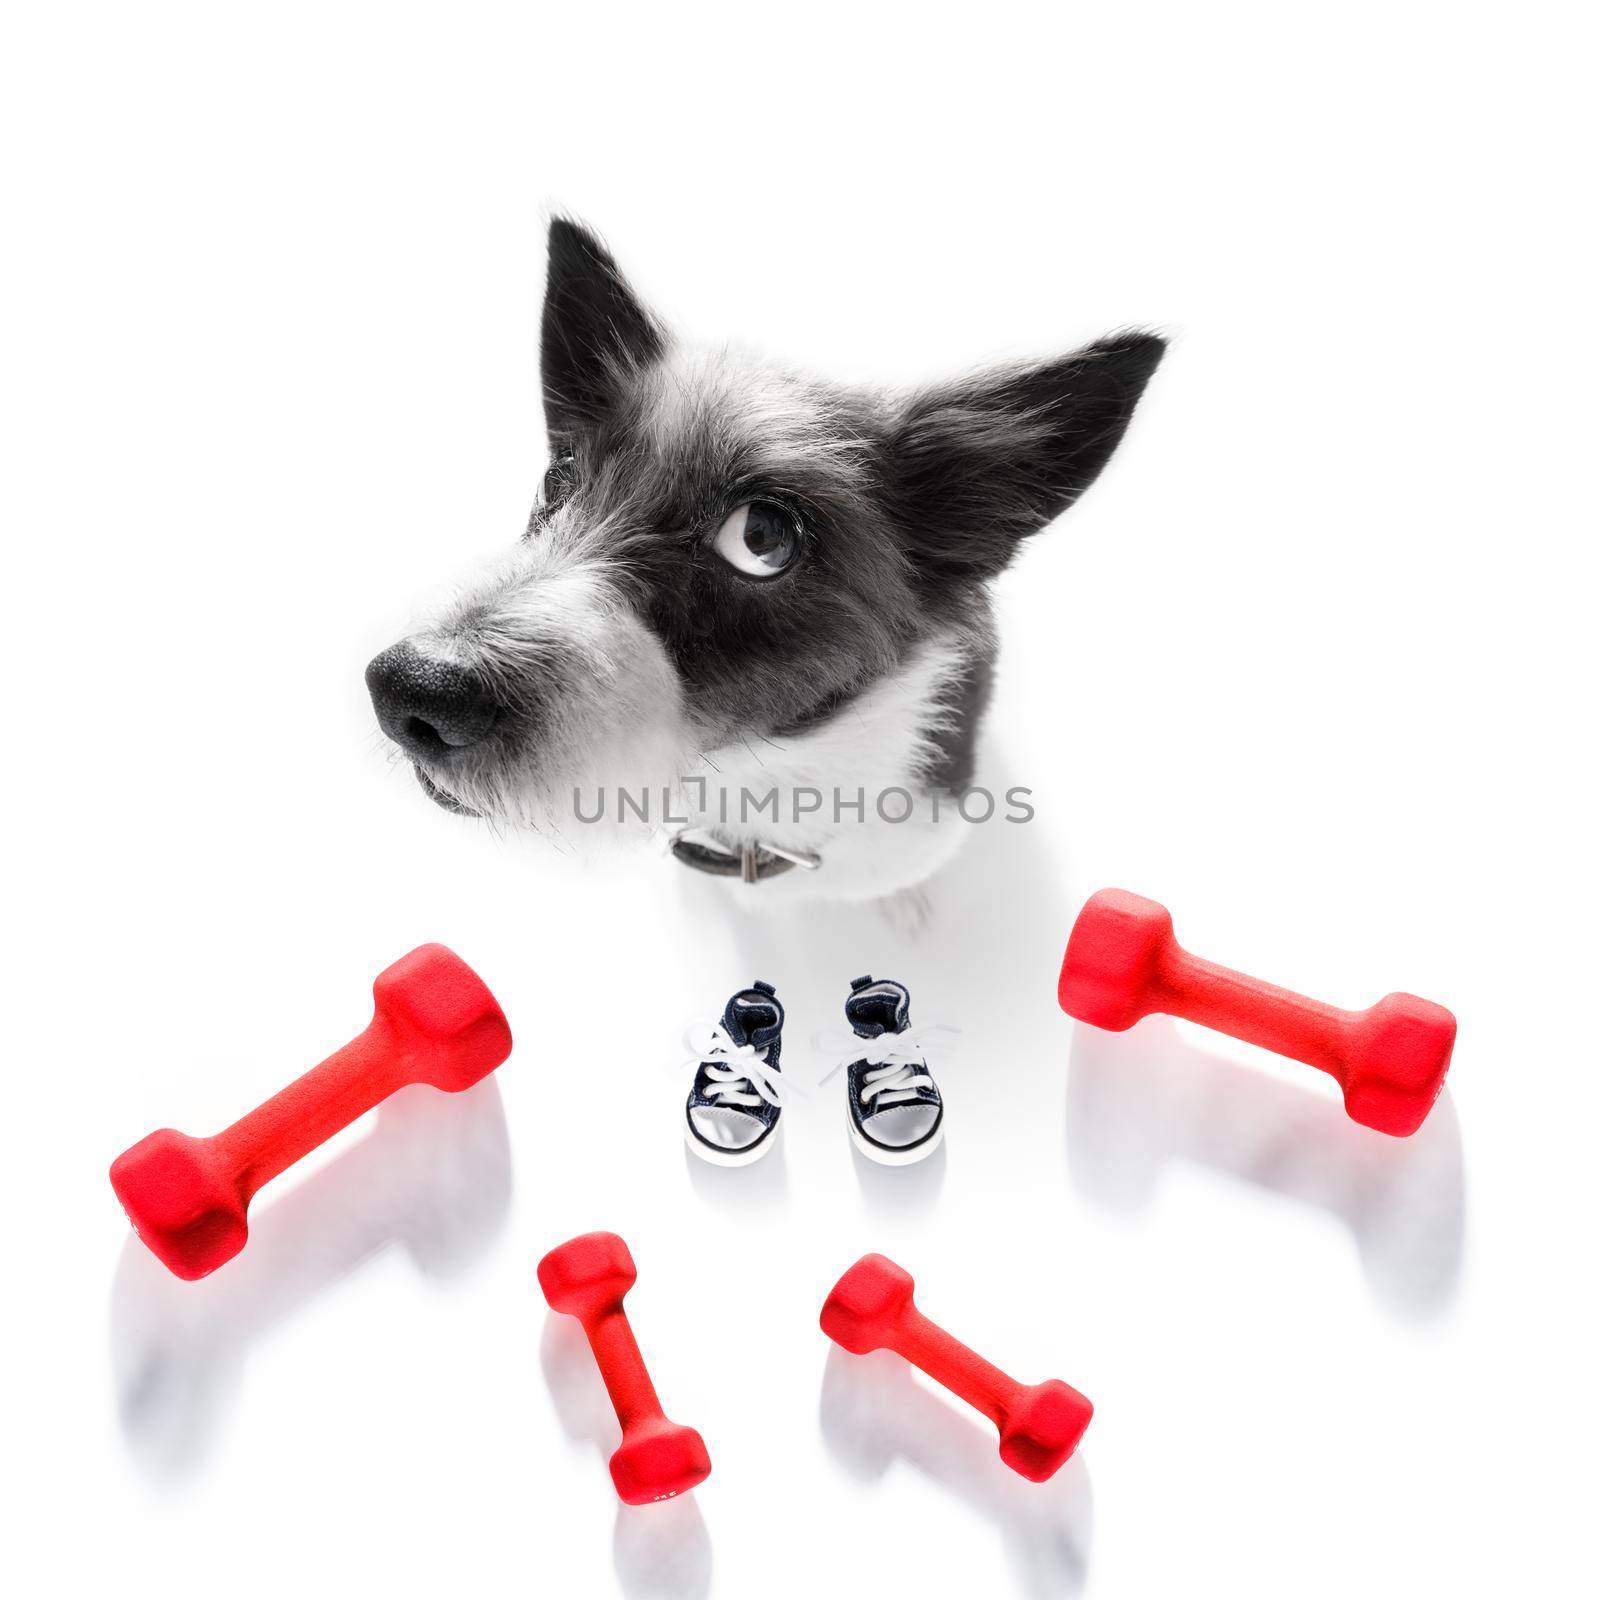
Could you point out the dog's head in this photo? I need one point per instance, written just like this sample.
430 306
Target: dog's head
725 549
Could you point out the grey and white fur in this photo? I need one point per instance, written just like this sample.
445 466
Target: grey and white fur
743 575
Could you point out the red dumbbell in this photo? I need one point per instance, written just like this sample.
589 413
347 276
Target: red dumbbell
434 1021
1040 1423
1123 962
587 1278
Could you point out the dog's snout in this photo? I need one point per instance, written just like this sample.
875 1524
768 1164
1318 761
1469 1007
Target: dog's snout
428 706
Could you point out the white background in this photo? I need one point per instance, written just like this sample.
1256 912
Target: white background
1313 664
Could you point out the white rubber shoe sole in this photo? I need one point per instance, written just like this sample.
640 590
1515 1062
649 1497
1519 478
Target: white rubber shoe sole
732 1158
893 1158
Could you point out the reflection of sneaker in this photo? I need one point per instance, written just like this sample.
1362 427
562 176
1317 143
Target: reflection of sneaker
896 1113
732 1113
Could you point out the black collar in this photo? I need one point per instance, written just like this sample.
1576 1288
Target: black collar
701 849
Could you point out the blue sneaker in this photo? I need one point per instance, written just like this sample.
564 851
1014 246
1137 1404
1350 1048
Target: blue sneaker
731 1117
896 1112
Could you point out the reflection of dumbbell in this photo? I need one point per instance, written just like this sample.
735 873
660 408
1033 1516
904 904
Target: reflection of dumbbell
432 1179
434 1021
1123 962
1040 1424
1143 1104
876 1416
587 1278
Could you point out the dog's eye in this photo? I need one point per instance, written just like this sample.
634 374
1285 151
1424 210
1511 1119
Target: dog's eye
759 539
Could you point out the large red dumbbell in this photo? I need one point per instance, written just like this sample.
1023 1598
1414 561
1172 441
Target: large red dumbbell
434 1021
1124 962
587 1278
1040 1424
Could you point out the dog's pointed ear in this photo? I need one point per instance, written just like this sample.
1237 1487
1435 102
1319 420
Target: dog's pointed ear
977 464
594 331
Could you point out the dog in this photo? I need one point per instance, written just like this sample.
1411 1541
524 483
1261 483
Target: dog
750 611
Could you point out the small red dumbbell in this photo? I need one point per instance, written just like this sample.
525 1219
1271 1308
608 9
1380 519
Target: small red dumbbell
1040 1423
1123 962
434 1021
587 1278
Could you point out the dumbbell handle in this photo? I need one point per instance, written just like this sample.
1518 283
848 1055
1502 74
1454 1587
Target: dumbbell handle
627 1380
1234 1003
313 1108
959 1368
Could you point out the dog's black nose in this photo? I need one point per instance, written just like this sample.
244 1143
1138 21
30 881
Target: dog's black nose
428 706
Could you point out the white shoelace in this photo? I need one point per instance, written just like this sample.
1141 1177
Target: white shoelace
901 1060
739 1073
